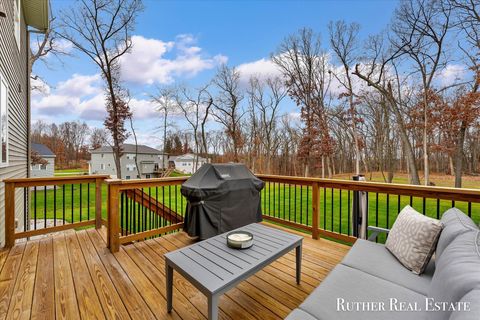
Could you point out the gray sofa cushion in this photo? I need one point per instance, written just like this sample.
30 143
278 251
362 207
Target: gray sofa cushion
354 285
299 314
375 259
457 272
473 300
455 222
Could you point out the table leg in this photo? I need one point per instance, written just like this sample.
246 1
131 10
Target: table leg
298 253
169 281
213 307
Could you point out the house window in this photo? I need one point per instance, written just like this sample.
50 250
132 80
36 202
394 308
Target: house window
3 122
130 156
17 21
127 177
131 167
102 155
102 166
147 176
43 167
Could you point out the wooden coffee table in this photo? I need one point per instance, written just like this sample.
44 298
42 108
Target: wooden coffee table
214 268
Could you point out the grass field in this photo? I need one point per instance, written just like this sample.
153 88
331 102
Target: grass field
70 172
283 201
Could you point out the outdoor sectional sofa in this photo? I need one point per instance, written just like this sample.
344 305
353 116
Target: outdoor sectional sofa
370 283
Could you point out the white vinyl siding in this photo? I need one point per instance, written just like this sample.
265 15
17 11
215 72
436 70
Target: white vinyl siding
17 22
3 122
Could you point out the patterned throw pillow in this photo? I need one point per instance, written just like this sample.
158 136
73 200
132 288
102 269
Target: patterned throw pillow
413 238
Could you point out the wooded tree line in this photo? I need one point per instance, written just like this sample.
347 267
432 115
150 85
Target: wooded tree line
70 141
387 103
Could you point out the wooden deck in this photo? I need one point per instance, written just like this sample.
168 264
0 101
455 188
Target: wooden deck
72 275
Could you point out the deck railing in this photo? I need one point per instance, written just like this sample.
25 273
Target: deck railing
144 208
327 207
52 204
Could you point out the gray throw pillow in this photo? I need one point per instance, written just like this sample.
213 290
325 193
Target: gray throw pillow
413 238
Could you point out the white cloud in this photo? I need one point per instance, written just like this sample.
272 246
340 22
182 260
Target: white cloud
263 69
451 74
80 85
155 61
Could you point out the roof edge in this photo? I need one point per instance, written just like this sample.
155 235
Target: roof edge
36 13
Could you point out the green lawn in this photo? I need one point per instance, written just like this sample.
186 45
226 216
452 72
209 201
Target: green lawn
70 172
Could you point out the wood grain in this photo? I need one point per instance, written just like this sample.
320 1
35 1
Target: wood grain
77 277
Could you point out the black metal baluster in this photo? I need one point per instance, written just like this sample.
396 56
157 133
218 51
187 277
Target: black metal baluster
301 204
340 212
134 211
274 209
80 189
63 203
144 221
376 209
127 212
424 206
45 206
54 205
470 209
324 208
88 201
150 208
73 219
122 205
411 201
332 210
25 209
308 191
289 202
388 211
438 208
453 203
398 205
35 208
295 205
163 205
348 213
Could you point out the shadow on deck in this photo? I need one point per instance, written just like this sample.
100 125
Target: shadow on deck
72 275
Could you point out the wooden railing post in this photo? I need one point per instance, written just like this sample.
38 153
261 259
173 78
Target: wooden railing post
113 239
9 214
98 203
315 209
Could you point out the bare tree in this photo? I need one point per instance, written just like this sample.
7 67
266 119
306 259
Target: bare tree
98 138
304 65
195 106
101 29
343 40
265 97
420 29
227 107
166 104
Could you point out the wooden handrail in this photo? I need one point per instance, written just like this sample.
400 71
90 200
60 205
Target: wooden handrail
49 181
444 193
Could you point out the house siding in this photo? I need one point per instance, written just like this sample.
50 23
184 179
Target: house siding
109 165
36 172
13 67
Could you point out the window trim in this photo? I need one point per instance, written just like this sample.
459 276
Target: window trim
7 162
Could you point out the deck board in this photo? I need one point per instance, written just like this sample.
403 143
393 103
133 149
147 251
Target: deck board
72 275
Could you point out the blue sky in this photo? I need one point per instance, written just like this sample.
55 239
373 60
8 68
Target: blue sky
184 42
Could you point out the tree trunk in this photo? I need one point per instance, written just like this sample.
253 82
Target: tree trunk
459 156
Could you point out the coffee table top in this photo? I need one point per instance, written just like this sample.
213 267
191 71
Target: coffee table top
214 267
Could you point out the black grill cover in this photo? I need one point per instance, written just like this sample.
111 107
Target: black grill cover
221 197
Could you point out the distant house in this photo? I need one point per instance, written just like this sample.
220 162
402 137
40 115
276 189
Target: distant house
151 162
43 170
16 16
186 163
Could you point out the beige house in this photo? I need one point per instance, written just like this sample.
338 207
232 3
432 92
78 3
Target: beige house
16 16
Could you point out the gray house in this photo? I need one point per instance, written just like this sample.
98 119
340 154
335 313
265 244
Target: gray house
151 162
43 170
15 17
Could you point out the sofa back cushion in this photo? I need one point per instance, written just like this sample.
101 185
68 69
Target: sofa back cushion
457 272
413 238
455 222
